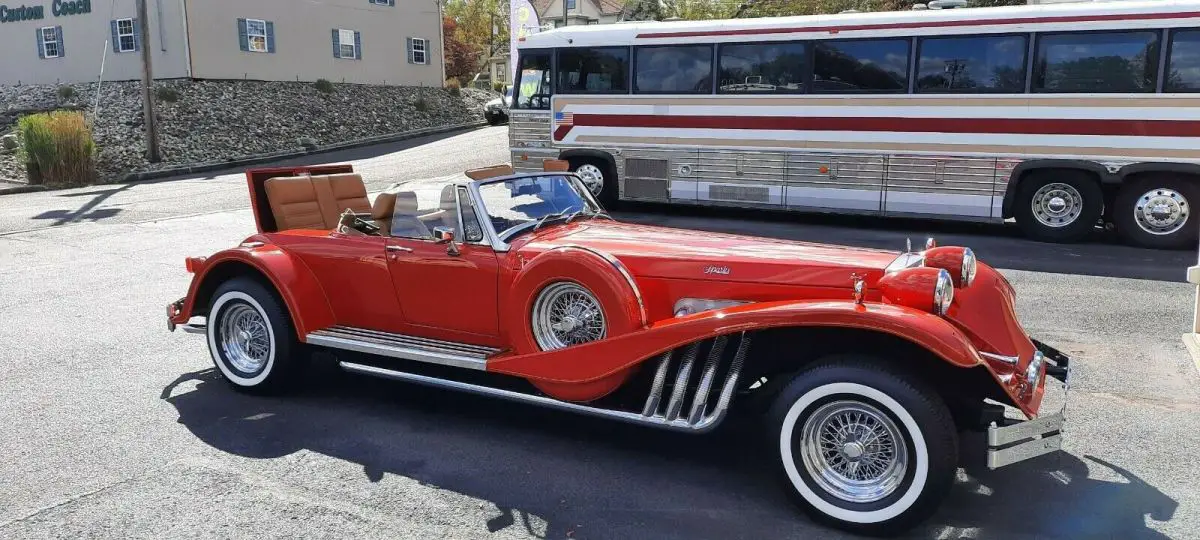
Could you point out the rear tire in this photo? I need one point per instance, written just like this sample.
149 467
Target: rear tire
1058 205
1156 213
599 177
862 446
251 338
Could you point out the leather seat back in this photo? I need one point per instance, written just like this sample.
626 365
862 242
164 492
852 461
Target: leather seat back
315 202
340 192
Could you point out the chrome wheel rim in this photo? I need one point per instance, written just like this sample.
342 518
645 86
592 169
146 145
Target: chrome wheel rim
567 314
1057 205
592 177
854 451
245 339
1161 211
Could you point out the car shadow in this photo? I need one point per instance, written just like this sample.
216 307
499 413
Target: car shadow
1000 245
590 478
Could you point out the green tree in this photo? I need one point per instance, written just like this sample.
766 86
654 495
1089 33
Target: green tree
480 26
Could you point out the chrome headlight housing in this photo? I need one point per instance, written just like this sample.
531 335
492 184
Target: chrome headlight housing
943 292
1034 369
969 267
690 306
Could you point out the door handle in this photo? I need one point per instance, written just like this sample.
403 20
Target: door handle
395 249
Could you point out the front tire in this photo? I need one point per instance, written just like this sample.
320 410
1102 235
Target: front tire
1058 205
862 446
1156 213
251 338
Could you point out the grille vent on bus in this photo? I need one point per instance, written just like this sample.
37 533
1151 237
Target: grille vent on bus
641 188
647 168
740 193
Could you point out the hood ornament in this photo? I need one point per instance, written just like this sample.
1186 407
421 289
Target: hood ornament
858 288
908 245
930 243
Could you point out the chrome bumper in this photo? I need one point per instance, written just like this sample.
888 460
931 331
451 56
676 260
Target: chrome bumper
1020 441
172 310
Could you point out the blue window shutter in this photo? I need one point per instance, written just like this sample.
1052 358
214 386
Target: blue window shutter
270 37
40 44
337 49
391 3
62 47
358 44
116 38
408 43
137 35
243 37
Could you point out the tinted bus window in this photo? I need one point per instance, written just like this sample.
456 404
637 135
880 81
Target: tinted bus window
1183 69
771 68
878 65
1096 62
972 64
684 69
593 71
533 81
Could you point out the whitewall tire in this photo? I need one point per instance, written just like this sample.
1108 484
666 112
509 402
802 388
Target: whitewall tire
250 336
863 447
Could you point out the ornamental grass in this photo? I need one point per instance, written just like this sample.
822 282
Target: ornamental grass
59 145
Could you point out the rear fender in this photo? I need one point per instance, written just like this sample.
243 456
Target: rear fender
596 360
291 279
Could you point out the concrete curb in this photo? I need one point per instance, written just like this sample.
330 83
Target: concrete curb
290 154
21 189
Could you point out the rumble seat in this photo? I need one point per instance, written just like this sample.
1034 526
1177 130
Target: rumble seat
315 202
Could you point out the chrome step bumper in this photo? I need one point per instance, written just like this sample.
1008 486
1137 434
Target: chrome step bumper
432 351
1020 441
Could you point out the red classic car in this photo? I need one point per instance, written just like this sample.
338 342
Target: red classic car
864 364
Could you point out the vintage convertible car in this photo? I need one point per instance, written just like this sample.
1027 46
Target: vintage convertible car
865 365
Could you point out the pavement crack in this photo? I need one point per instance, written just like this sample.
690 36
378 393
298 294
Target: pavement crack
78 497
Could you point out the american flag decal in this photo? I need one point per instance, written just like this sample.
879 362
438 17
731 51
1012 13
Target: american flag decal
563 119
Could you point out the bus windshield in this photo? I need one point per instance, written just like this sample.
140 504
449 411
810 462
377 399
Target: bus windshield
533 81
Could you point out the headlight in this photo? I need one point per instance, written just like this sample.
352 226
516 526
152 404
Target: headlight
689 306
969 265
959 261
1034 369
943 293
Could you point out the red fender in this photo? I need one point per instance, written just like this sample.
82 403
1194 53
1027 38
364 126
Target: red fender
593 361
299 288
602 275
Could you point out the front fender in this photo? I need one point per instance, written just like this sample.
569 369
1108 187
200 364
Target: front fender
585 363
292 280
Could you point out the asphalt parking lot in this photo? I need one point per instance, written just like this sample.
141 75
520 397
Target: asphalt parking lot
110 427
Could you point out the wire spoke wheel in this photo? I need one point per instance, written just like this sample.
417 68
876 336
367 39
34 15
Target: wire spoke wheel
854 451
567 314
244 338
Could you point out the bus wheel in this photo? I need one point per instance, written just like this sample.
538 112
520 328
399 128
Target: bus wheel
1058 205
1156 212
598 176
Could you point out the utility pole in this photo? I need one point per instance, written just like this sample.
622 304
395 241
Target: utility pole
564 12
147 85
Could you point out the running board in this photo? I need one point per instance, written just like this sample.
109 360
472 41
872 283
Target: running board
700 419
433 351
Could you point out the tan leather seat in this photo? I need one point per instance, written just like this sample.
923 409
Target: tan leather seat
340 192
489 172
381 212
315 202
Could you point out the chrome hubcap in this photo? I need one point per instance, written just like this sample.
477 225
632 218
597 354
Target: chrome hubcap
592 177
245 339
1057 205
854 451
567 314
1161 211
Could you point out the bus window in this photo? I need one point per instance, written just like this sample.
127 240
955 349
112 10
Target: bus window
762 68
1183 69
969 64
865 65
1096 62
593 71
533 81
673 69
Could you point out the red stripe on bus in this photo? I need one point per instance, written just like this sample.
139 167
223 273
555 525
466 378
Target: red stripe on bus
1039 126
926 24
560 132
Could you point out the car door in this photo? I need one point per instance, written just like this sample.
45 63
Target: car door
447 290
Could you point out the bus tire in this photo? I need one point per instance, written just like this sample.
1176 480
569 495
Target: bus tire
599 176
1057 205
1155 212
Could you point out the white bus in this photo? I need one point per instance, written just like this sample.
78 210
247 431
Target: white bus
1055 115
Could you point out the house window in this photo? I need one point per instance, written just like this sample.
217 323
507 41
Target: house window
346 44
501 70
570 4
51 46
256 35
384 2
126 36
418 51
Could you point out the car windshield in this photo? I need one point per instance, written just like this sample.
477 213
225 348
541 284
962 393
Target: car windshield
520 204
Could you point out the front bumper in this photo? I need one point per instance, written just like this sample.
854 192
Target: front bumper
1018 441
173 311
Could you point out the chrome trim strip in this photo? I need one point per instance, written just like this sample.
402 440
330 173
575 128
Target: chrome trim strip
194 328
700 399
681 380
403 347
656 389
1011 360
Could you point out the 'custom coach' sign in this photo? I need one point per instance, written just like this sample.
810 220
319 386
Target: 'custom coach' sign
32 13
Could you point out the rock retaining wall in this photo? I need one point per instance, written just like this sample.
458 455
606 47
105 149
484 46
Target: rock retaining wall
224 120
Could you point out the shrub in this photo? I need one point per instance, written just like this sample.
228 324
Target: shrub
454 87
499 87
60 144
166 94
324 86
66 92
421 105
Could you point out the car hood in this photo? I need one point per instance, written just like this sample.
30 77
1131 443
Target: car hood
661 252
498 102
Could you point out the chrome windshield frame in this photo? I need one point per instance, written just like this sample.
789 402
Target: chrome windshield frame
494 238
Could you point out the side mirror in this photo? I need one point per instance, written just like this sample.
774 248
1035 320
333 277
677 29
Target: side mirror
443 235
